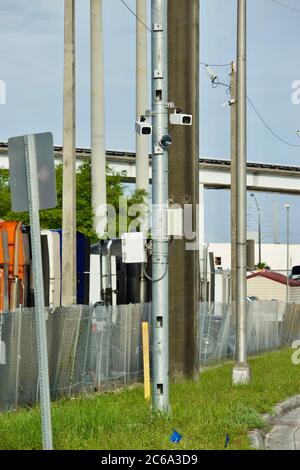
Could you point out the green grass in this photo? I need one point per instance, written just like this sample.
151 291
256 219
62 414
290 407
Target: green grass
202 412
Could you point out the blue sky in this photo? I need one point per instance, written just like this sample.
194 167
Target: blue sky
31 64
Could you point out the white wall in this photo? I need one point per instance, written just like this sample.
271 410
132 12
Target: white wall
266 289
4 161
272 254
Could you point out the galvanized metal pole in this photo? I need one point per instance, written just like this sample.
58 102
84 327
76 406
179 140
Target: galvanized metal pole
241 372
69 271
35 233
160 249
98 156
142 151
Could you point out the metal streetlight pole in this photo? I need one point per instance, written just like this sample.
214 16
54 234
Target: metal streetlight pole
241 371
160 194
259 226
287 206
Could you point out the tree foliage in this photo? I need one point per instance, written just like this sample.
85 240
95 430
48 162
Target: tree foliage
261 266
52 219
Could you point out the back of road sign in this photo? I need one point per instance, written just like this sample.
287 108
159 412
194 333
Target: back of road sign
45 167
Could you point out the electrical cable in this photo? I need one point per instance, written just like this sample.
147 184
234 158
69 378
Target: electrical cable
166 270
286 6
215 80
155 280
134 14
269 127
215 83
215 65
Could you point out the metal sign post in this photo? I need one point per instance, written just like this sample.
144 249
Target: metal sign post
35 233
33 155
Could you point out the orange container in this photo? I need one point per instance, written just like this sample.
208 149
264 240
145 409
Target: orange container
3 270
15 260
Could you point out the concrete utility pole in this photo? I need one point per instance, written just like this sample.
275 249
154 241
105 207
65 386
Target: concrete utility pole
241 371
69 271
98 157
233 107
183 18
142 151
160 248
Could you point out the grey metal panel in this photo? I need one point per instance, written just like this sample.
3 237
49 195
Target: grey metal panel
45 168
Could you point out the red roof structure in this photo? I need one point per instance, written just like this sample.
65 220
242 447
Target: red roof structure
277 277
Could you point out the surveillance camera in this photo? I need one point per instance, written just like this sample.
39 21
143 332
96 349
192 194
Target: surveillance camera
179 119
298 133
166 142
142 126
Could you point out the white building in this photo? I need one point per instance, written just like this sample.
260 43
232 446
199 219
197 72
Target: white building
274 255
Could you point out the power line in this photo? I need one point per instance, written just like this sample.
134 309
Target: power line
134 14
269 127
215 80
216 83
215 65
286 6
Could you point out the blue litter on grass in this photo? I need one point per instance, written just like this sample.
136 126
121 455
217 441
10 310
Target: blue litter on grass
227 441
176 437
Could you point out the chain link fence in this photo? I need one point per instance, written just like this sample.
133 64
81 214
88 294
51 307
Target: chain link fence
99 348
89 349
270 326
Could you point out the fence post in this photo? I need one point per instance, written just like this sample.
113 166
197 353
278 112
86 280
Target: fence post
18 358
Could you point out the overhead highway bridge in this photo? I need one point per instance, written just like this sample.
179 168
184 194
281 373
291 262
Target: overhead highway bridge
214 173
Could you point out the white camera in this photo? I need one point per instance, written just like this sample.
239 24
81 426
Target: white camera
179 119
142 126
